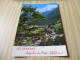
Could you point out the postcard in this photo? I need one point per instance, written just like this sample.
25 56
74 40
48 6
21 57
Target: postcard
39 32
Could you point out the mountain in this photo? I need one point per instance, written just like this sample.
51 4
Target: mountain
47 12
52 16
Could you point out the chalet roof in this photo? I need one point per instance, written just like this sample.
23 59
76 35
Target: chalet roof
38 41
53 33
44 36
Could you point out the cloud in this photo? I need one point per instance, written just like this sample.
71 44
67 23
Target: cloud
46 8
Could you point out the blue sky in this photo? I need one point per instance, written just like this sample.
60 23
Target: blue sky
42 7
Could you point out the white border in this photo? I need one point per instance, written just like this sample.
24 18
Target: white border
59 50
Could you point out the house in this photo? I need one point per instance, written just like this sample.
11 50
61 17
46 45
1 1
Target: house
24 43
37 42
46 36
53 34
37 26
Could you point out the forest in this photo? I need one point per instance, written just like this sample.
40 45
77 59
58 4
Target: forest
39 29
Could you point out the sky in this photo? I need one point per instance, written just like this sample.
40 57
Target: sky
42 7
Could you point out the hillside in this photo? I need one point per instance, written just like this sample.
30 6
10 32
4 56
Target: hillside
51 17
